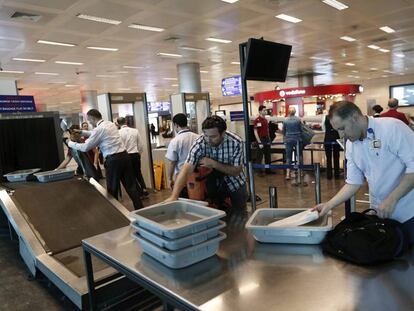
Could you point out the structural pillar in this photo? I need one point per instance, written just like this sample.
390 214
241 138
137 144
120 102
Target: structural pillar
305 80
89 100
189 77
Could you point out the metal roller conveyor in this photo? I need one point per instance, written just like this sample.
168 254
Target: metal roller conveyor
52 219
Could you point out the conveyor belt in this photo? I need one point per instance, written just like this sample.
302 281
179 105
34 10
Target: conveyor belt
63 213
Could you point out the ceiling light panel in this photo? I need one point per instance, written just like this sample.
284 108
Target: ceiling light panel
336 4
98 19
288 18
29 60
169 55
11 71
55 43
350 64
374 47
189 48
68 63
133 67
347 38
147 28
100 48
230 1
47 73
387 29
384 50
212 39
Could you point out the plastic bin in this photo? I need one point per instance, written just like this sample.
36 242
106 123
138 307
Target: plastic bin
311 233
176 244
177 219
184 257
20 175
55 175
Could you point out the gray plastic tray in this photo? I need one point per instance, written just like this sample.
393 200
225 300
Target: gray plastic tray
177 219
176 244
184 257
20 175
55 175
311 233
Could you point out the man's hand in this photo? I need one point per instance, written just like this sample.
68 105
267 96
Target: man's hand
261 146
207 162
170 199
386 208
322 209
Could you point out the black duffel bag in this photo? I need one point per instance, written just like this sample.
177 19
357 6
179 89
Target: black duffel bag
366 239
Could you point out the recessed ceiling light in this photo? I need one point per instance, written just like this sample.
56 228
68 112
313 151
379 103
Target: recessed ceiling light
121 72
66 102
355 71
144 27
169 55
71 85
29 60
288 18
189 48
384 76
230 1
174 84
55 43
374 47
373 68
387 29
11 71
47 73
98 19
347 38
336 4
235 63
387 71
68 63
105 76
102 48
401 55
218 40
171 79
384 50
133 67
350 64
203 71
124 89
57 82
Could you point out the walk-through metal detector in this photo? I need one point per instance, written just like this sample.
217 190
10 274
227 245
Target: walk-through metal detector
195 105
113 105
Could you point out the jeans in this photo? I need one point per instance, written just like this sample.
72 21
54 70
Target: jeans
291 145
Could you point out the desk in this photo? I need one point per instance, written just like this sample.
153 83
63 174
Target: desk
246 275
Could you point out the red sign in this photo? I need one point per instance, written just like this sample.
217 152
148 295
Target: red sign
309 91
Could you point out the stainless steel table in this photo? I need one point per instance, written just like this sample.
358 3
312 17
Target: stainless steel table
247 275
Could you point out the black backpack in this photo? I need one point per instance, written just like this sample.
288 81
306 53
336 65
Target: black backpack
366 239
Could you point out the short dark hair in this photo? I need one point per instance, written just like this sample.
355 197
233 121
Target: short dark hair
377 109
343 109
180 119
94 113
74 127
121 120
393 103
261 107
214 122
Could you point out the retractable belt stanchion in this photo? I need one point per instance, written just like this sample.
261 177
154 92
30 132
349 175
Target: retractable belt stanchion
242 52
273 197
317 170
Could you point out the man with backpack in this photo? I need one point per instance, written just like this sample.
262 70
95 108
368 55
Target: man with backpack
382 151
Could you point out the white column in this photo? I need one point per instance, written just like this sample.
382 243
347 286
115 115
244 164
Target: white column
8 87
88 101
189 77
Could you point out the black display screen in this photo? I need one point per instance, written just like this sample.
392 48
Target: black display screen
266 60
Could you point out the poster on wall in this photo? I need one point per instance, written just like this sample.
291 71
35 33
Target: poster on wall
17 103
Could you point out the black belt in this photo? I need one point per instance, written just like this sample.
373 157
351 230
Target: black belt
115 156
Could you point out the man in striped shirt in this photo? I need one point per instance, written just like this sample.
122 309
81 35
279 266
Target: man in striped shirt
223 152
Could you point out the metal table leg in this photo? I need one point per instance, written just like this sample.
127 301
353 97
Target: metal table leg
91 281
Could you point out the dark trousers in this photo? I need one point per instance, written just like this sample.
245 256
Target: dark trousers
332 151
136 165
265 151
408 227
119 169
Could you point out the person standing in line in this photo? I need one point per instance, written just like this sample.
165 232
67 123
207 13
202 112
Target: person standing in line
178 149
393 113
85 127
292 134
381 150
153 133
377 111
332 149
261 132
118 167
133 143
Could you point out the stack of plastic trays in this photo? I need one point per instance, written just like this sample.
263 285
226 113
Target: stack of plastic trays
180 233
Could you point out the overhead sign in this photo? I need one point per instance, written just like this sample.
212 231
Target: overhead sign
231 86
17 103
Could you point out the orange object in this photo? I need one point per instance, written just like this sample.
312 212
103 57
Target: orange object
196 183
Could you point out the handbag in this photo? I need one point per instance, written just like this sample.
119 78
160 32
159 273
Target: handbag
307 134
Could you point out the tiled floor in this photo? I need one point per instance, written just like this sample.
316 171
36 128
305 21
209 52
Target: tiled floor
18 292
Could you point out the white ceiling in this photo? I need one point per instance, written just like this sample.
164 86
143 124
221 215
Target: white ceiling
189 23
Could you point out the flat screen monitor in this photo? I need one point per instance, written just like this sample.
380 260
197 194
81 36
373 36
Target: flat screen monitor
404 93
266 60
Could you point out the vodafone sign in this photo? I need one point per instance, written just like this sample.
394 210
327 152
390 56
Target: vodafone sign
344 89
